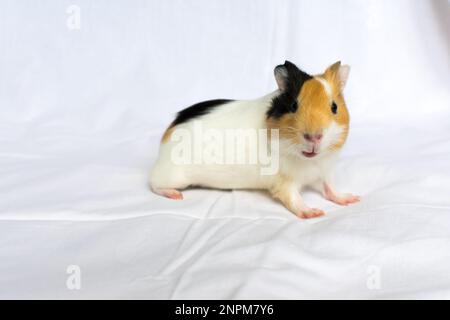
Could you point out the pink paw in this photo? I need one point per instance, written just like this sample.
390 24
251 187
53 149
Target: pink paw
345 199
170 193
309 213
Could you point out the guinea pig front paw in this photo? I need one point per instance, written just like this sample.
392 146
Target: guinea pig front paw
339 198
308 213
344 199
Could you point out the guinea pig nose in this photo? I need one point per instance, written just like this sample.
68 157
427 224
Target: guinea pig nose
312 138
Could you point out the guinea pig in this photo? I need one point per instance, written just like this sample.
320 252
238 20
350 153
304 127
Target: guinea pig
296 133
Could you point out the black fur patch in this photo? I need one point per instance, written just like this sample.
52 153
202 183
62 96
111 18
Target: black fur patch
286 102
197 110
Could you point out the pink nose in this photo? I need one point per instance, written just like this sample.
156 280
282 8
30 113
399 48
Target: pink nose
313 137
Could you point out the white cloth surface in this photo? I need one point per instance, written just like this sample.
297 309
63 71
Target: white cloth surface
82 112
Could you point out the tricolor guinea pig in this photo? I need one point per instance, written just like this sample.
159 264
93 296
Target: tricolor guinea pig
281 142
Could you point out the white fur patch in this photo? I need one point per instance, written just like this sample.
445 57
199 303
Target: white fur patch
326 85
331 135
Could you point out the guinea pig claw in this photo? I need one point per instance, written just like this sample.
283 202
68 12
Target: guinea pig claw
309 213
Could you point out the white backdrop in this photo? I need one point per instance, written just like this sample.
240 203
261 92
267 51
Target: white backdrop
82 110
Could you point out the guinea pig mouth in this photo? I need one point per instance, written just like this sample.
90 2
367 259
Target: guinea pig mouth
309 154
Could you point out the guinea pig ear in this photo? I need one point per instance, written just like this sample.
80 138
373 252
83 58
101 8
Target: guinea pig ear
290 78
338 74
281 76
344 71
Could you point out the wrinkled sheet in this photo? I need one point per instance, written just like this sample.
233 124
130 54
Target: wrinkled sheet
82 112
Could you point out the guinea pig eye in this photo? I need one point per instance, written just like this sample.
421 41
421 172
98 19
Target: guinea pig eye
293 106
334 107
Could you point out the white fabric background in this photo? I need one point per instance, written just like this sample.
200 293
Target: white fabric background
82 111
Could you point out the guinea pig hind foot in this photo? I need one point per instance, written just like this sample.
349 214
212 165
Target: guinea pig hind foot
169 193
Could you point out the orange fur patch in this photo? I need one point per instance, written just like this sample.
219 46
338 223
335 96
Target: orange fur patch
167 134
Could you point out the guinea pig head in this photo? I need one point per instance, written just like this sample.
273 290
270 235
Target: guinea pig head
310 112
